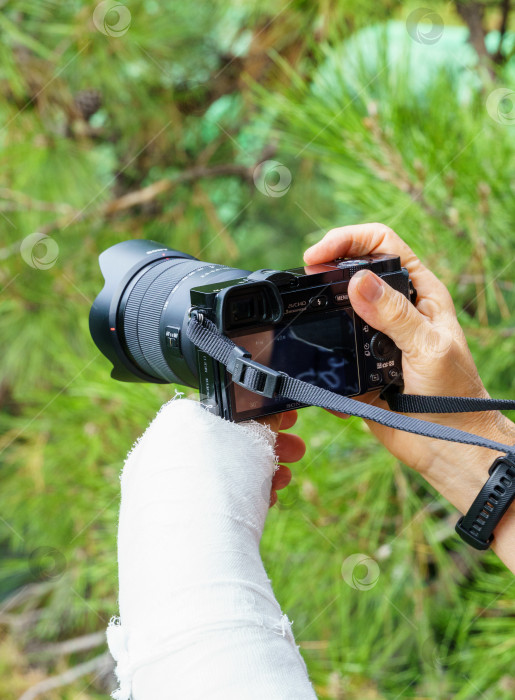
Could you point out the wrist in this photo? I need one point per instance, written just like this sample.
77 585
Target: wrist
459 471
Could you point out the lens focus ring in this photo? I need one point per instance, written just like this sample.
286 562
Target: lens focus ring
143 314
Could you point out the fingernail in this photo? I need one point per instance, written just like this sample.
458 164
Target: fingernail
370 287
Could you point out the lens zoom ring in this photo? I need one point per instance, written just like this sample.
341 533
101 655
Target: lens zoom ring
150 315
132 308
143 314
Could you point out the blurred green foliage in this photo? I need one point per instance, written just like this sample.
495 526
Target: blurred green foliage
156 132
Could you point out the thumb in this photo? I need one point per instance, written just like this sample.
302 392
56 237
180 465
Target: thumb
385 309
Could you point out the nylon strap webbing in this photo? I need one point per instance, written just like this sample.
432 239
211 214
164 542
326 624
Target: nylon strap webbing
412 403
252 375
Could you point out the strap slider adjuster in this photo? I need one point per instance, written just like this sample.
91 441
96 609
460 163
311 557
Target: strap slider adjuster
235 362
260 380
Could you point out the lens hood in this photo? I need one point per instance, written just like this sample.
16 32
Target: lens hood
119 264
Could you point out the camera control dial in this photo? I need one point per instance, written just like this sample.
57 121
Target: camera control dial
382 347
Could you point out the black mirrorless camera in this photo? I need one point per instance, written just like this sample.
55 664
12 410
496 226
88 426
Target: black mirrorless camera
297 321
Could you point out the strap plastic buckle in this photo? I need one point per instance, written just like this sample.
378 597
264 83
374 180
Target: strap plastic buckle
268 379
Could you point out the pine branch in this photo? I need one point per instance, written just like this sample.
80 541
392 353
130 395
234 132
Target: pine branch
102 664
15 201
32 592
69 646
146 195
472 13
20 622
498 57
392 169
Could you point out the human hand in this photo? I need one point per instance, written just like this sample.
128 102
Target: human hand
289 448
435 357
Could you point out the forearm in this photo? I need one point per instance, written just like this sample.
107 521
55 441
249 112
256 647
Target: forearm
459 472
198 617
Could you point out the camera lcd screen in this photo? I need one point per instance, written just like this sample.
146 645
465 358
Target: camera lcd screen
319 349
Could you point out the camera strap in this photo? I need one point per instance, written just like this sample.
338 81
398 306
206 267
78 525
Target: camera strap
412 403
477 525
267 382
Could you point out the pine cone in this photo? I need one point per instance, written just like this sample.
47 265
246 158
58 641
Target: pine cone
88 102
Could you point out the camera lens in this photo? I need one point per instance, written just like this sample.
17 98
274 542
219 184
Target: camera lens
147 290
141 308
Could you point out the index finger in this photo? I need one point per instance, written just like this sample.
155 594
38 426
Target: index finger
362 239
288 420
